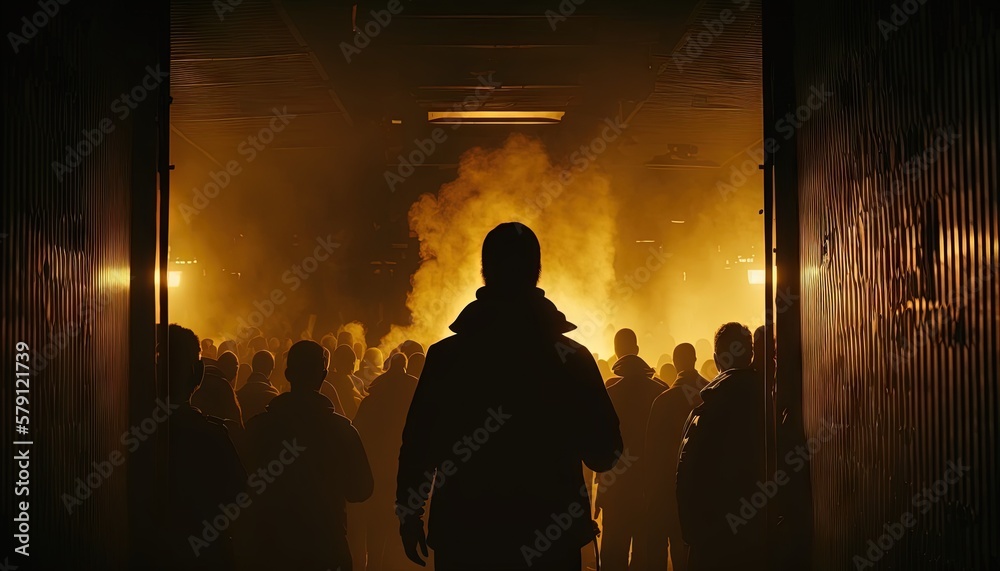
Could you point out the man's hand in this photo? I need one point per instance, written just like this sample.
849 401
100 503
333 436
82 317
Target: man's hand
412 532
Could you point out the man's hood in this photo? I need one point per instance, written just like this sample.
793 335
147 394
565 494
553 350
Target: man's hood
525 311
632 366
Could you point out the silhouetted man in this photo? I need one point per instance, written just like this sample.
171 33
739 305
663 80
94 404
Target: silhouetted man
380 422
311 462
216 396
663 439
759 346
506 440
258 391
721 462
204 467
342 366
621 500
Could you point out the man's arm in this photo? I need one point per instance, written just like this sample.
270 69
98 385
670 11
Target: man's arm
359 482
414 454
600 434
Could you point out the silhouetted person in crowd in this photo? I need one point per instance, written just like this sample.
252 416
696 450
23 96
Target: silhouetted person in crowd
229 365
371 365
258 391
341 366
415 365
345 338
759 346
216 396
242 374
668 373
359 350
315 462
204 467
228 345
380 422
721 461
632 390
208 349
507 439
663 439
409 347
326 389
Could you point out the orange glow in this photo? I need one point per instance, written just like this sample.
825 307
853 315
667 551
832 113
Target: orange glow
495 117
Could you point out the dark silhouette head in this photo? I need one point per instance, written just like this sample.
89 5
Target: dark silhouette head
512 257
345 338
186 368
344 359
263 363
733 346
397 363
229 365
685 357
626 343
668 372
415 365
373 356
410 347
359 350
208 349
306 369
759 348
273 345
228 345
257 344
329 342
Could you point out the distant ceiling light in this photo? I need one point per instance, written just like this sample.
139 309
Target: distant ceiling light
495 117
677 221
397 121
645 241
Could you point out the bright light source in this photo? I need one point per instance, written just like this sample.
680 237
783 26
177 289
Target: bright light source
755 277
495 117
677 221
645 241
173 279
397 121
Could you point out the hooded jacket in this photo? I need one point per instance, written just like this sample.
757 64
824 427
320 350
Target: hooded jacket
632 392
720 463
507 439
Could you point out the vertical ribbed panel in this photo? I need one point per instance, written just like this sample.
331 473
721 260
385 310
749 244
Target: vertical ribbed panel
65 254
901 279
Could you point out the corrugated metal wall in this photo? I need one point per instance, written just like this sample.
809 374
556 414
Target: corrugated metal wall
65 247
897 172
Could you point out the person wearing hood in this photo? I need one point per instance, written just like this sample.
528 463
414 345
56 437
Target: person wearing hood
721 463
310 462
663 438
380 421
622 499
506 441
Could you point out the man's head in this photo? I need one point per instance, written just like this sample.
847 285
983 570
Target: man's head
512 257
759 347
397 363
306 369
626 343
186 367
263 363
733 347
684 357
344 359
345 338
229 365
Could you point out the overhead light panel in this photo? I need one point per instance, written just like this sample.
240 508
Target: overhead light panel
495 117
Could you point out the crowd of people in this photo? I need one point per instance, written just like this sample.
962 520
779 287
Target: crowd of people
326 455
